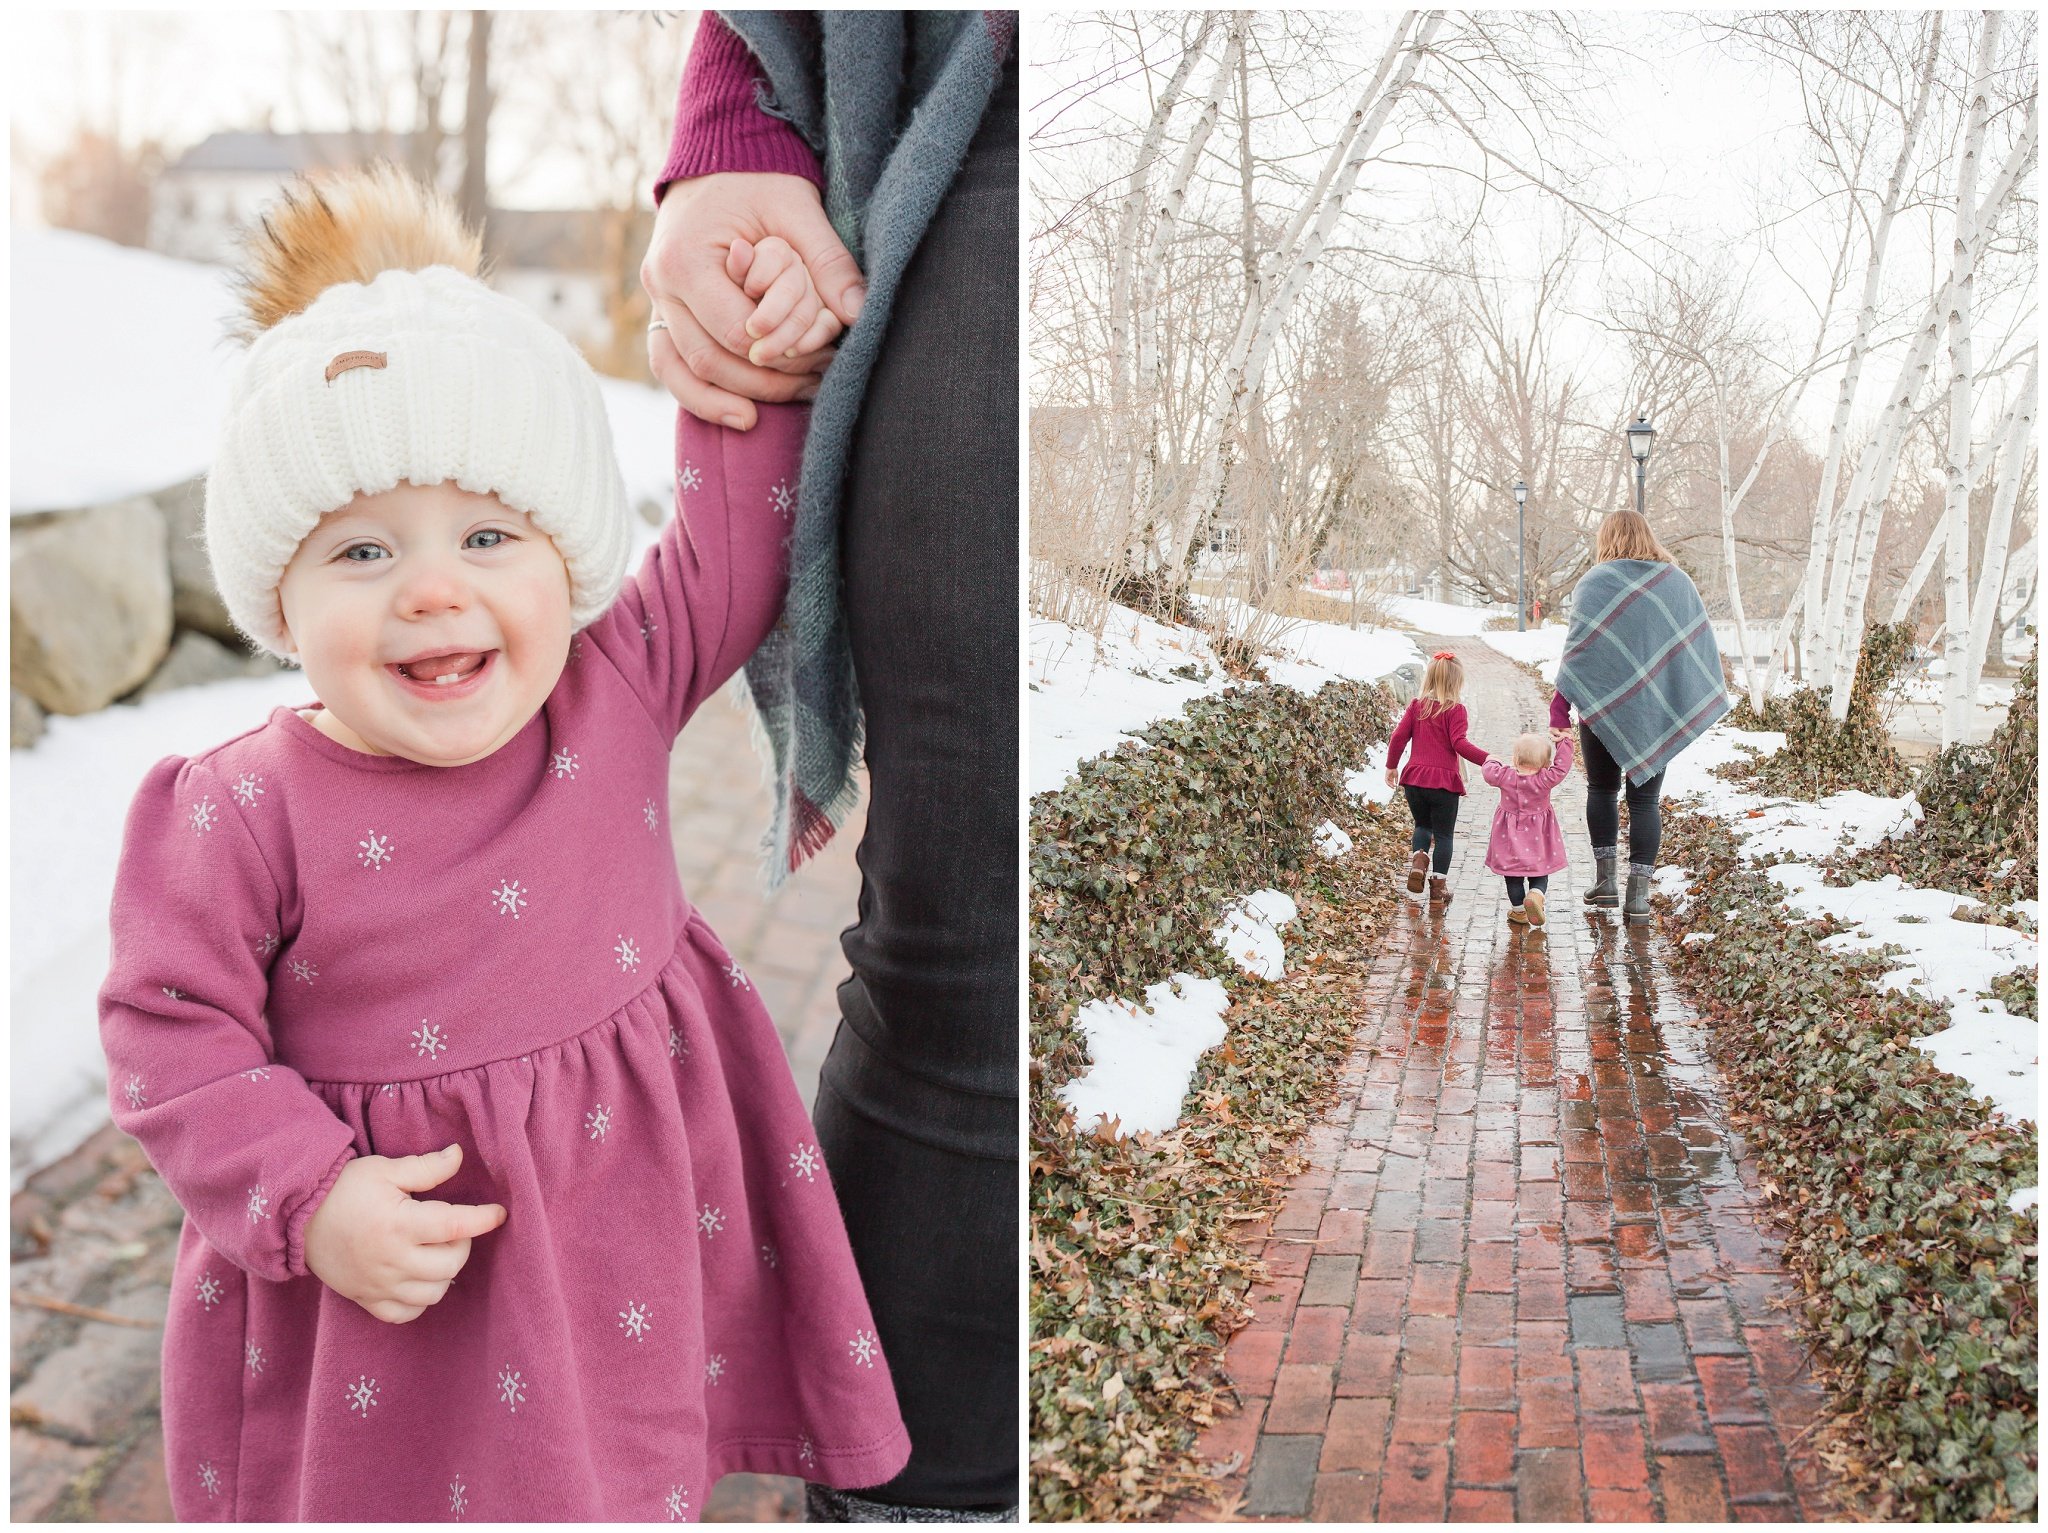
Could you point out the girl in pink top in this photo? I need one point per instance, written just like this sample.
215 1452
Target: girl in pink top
1527 844
500 1200
1433 731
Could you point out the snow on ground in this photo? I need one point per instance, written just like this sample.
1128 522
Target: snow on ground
1541 647
1251 932
1441 616
1949 961
123 365
1331 841
68 805
1088 695
1369 783
1952 962
1142 1060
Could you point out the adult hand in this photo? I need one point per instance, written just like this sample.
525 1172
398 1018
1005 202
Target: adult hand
702 356
395 1255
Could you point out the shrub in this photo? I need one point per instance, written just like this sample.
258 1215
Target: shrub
1822 756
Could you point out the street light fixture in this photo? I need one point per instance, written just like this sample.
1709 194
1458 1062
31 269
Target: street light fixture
1640 436
1521 600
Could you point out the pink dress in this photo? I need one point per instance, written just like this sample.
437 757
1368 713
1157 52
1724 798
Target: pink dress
320 954
1526 839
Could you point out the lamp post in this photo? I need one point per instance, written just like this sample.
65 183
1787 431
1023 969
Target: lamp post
1640 436
1521 600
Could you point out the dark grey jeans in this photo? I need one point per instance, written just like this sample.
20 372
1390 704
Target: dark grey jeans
917 1101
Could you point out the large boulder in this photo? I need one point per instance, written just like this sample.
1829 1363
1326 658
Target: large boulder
89 604
194 600
195 659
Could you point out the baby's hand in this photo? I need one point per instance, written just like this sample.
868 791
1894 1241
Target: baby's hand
393 1254
789 319
1557 735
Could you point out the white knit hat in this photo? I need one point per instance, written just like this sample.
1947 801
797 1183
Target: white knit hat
416 375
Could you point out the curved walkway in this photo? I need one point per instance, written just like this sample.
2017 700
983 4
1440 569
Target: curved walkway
1527 1274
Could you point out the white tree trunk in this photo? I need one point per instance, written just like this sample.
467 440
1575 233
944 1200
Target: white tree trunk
2012 462
1262 318
1955 575
1814 647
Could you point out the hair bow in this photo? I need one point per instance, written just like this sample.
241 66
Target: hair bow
1444 654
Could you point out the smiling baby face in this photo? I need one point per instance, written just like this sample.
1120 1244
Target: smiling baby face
431 622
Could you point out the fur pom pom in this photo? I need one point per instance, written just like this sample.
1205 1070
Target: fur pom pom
347 228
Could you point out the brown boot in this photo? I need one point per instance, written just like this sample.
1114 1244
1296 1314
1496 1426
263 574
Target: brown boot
1418 870
1533 903
1439 889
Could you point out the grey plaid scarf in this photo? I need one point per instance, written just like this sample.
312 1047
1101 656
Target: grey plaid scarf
1640 663
890 100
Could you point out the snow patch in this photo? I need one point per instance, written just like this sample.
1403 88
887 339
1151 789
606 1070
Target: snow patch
2023 1198
1331 840
1951 962
1541 647
1369 784
1251 932
1441 616
1141 1060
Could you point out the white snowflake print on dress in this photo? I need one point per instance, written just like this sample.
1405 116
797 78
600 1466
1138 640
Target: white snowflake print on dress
376 851
259 1204
648 629
771 1256
627 954
865 1348
634 1322
782 498
563 763
806 1451
677 1049
427 1041
738 976
651 815
260 1073
202 817
209 1477
266 944
678 1503
710 1221
510 895
511 1388
252 1358
248 789
458 1496
714 1370
301 969
135 1091
208 1290
362 1395
174 992
689 478
599 1121
804 1162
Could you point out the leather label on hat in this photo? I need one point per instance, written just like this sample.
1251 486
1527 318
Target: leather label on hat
348 361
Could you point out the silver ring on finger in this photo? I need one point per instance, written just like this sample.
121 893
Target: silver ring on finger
657 324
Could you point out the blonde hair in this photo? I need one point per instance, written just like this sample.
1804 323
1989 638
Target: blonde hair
1534 750
1626 535
1443 682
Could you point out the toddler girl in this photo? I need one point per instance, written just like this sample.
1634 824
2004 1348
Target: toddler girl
426 935
1527 842
1433 782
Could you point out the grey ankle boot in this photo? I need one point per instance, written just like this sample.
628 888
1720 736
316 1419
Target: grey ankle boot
1604 891
1637 909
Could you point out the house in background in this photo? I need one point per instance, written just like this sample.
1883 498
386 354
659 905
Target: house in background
552 260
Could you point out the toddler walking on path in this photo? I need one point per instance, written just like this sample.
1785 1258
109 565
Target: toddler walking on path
1527 843
426 936
1432 730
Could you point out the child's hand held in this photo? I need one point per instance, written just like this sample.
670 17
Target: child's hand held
789 310
389 1252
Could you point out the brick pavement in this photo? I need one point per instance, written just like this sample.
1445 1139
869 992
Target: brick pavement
99 1229
1527 1275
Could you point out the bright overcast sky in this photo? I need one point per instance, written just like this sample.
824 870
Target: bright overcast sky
187 74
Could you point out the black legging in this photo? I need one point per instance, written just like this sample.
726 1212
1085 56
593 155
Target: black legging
1436 817
1604 788
917 1102
1516 892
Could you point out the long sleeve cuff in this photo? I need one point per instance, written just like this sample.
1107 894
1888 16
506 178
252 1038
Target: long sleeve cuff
720 125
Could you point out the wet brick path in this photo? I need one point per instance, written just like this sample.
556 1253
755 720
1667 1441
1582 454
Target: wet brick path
99 1229
1527 1274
